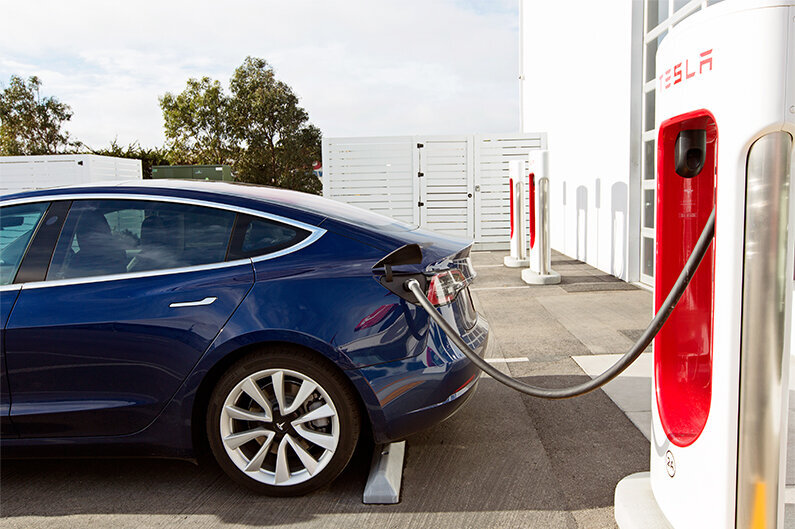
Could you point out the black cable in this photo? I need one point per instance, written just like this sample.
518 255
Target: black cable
699 251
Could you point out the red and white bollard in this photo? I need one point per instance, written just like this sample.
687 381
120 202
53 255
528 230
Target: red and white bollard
540 271
518 184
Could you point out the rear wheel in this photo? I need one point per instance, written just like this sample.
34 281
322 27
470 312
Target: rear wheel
282 423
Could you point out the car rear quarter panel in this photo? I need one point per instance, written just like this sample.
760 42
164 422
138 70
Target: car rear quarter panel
323 298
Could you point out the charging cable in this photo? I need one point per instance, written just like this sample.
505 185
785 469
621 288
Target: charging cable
699 251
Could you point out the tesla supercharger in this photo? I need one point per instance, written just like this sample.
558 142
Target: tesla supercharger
540 255
725 115
518 184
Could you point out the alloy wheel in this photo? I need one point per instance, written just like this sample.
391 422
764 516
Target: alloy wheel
279 427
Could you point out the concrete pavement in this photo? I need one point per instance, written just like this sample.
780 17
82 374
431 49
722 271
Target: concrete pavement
505 460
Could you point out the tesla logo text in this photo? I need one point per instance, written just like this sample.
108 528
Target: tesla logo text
280 425
682 71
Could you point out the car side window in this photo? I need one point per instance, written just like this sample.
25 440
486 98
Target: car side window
103 237
255 236
17 226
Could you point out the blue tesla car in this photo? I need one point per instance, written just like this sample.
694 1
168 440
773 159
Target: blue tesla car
156 318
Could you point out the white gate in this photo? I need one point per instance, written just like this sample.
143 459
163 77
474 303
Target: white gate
446 185
457 185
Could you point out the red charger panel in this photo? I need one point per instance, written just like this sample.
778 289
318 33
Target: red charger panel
683 348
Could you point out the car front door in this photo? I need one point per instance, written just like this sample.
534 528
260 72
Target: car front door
135 292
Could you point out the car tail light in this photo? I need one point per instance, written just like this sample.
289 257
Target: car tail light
444 287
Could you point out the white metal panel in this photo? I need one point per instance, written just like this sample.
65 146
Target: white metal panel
464 187
111 168
21 173
18 174
372 173
445 164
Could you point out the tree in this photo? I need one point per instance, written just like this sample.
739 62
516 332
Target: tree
197 124
259 129
280 143
148 157
30 124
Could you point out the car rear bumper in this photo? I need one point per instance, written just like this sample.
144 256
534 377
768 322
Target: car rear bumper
412 394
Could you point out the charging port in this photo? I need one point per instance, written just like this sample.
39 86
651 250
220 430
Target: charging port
690 152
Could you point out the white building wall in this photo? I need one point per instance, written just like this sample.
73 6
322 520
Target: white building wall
577 62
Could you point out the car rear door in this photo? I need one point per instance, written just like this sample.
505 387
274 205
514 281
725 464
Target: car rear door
17 226
100 339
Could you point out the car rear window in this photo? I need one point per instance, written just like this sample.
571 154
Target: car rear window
255 236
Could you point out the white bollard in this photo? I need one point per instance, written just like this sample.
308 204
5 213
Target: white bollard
518 257
540 271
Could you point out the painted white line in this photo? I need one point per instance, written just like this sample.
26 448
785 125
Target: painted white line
490 266
506 360
789 494
498 288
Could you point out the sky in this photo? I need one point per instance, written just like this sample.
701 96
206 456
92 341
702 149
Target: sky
359 68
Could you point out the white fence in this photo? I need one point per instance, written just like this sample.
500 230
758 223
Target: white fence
22 173
456 185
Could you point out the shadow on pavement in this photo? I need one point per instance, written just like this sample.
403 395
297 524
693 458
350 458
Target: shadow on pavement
527 461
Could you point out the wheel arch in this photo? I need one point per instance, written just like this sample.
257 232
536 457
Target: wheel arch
232 355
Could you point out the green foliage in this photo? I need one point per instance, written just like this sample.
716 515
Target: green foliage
281 144
197 124
30 124
148 157
259 129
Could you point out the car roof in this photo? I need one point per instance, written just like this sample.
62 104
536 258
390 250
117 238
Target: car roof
269 194
303 207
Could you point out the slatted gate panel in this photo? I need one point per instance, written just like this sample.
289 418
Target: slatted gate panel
23 175
446 185
492 155
373 174
463 190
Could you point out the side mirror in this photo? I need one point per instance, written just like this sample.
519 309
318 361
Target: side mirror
405 255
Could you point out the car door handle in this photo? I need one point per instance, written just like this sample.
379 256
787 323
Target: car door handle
206 301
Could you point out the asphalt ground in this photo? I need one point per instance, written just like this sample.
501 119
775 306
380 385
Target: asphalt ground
504 460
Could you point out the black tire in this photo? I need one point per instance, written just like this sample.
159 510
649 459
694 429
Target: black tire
297 367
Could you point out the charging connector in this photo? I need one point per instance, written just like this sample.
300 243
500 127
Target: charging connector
700 249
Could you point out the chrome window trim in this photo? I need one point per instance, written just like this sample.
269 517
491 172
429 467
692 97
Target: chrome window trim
132 275
10 288
315 233
159 198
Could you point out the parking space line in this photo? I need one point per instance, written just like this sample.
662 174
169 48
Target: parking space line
498 288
